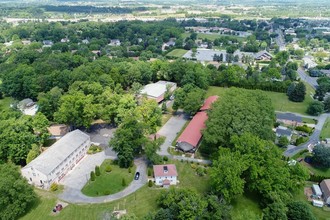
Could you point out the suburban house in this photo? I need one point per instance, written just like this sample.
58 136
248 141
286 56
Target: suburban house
58 131
114 42
263 55
289 119
47 43
325 188
190 138
309 63
283 132
157 90
53 164
165 175
27 107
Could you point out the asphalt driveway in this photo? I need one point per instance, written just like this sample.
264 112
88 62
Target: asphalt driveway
170 130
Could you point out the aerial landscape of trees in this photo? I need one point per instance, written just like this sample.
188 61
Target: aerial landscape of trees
81 79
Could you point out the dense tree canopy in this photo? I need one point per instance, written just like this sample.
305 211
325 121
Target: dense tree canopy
239 111
16 195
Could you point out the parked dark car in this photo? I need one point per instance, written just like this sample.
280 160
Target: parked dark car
137 175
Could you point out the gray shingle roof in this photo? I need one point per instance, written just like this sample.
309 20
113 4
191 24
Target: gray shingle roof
288 116
283 132
56 154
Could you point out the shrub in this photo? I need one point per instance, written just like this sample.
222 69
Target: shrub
301 140
108 168
129 170
194 166
123 182
200 171
165 158
304 128
107 192
150 183
54 187
92 176
97 171
149 172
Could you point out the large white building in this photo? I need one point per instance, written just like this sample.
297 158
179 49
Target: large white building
52 165
157 90
165 175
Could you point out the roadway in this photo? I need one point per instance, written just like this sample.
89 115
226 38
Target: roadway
312 81
313 139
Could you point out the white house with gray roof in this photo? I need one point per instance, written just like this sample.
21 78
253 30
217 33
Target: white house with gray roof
52 165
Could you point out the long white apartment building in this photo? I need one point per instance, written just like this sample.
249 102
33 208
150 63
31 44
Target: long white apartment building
53 164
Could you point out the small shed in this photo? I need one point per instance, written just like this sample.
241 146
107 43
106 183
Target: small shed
317 190
318 203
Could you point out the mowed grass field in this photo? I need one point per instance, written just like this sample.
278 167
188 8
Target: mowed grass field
212 36
108 182
280 100
177 53
139 203
325 133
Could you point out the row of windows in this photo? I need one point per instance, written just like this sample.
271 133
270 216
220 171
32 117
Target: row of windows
70 159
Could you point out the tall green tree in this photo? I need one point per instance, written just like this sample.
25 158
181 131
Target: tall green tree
322 156
239 111
298 210
49 102
128 141
16 195
76 109
225 174
297 92
183 203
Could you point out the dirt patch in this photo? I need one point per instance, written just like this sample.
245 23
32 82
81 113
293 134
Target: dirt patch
308 193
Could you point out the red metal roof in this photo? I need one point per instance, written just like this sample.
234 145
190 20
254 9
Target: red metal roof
192 134
208 102
159 170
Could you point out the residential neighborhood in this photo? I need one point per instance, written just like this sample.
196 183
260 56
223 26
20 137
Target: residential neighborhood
165 110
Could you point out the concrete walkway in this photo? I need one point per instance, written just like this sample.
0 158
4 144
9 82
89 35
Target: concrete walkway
75 181
170 130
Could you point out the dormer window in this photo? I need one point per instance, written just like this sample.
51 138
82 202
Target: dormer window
165 169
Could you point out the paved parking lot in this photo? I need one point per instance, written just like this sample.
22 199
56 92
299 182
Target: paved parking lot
101 134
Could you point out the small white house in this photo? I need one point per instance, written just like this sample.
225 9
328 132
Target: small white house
318 203
165 175
53 164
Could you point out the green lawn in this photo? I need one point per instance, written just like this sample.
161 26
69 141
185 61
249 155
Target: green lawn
280 100
309 120
212 36
320 213
140 203
177 53
5 103
108 183
246 207
325 133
